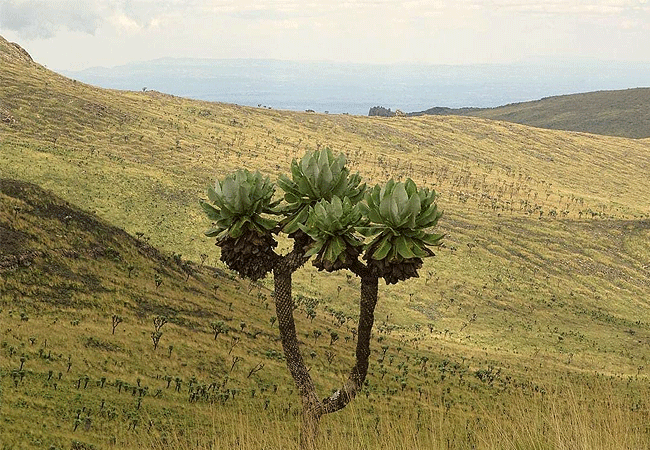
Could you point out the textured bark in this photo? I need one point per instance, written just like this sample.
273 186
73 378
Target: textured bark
284 309
313 408
311 405
312 411
357 376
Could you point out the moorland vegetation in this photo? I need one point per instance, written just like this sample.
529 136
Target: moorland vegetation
122 328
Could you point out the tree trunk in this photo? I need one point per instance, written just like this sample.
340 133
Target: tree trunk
339 399
313 408
311 405
311 414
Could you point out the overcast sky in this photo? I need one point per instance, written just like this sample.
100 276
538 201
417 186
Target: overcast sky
71 34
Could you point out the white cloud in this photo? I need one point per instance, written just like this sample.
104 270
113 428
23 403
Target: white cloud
124 23
447 31
41 19
34 19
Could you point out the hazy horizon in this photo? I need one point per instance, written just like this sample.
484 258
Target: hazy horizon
69 36
355 87
596 42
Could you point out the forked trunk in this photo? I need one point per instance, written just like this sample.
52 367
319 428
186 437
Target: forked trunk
353 385
312 408
311 405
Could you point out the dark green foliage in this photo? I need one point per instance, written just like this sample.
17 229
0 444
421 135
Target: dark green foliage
218 327
331 226
381 112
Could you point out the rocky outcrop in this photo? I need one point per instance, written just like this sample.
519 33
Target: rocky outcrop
5 117
11 50
381 112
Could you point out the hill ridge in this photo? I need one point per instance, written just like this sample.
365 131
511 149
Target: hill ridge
12 50
542 280
53 231
623 112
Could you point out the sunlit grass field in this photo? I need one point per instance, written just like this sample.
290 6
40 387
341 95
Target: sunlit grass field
529 329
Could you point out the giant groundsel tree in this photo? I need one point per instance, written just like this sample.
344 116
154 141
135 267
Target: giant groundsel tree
382 232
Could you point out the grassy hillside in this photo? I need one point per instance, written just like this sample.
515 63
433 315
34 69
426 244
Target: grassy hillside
88 381
623 113
543 281
65 274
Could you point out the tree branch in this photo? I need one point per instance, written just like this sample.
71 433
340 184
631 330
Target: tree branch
296 258
354 383
359 269
284 309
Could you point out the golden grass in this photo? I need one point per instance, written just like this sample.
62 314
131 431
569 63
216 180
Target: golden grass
568 419
544 276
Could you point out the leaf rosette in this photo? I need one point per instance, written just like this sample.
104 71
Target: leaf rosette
400 216
331 226
318 175
239 200
244 235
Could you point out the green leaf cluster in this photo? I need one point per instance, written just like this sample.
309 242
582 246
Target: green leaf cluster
318 175
329 213
400 215
238 202
331 226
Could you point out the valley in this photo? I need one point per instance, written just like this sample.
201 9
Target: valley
536 308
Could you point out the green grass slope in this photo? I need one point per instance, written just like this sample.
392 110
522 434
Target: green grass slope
70 379
543 277
66 273
624 113
522 204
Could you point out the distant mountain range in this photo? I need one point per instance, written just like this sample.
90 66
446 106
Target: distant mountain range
355 88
